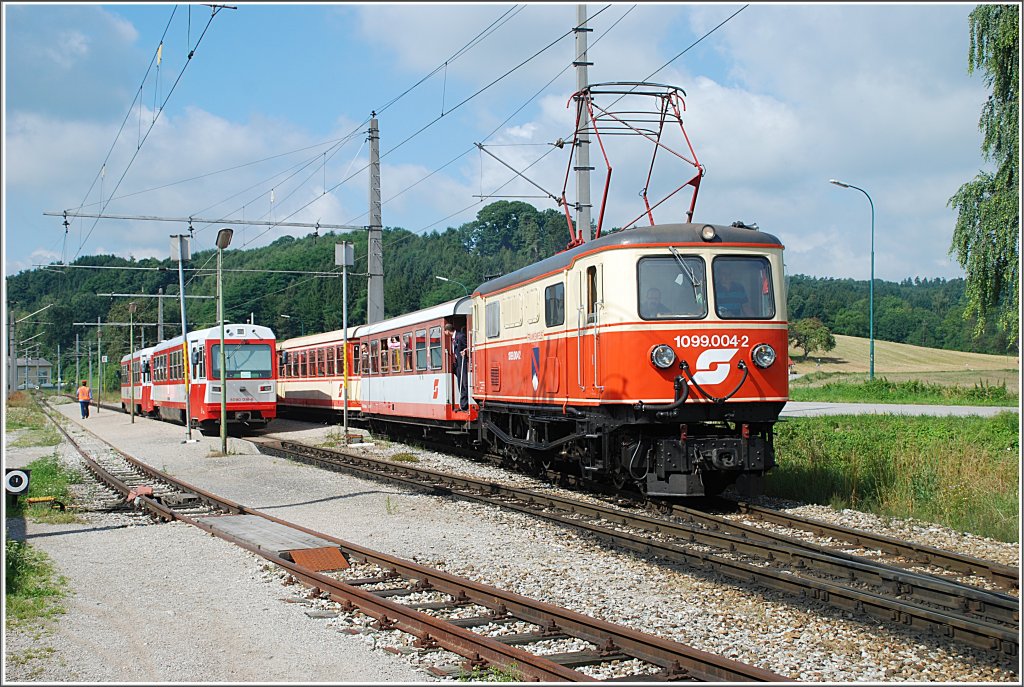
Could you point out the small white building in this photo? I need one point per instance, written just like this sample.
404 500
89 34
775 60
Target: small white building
37 372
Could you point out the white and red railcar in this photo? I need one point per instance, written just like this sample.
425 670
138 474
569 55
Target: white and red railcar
135 367
312 375
174 367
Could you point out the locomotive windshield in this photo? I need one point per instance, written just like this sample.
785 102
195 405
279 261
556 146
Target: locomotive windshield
743 288
671 288
243 361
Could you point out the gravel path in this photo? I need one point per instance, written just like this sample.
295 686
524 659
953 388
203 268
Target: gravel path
229 623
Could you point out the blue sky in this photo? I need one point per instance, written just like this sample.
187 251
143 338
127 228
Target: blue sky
779 100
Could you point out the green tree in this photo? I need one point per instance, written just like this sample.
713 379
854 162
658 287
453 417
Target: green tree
988 219
810 335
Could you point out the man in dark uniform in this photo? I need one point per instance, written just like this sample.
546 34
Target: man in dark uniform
461 369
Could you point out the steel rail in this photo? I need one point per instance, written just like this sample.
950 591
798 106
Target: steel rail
676 660
973 631
1005 576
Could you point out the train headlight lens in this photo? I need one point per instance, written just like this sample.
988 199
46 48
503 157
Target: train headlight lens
663 356
763 355
707 232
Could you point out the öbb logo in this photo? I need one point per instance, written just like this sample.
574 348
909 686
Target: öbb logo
713 365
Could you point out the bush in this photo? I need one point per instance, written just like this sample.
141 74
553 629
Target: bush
961 472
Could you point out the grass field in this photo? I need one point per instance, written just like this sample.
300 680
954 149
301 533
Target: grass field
903 362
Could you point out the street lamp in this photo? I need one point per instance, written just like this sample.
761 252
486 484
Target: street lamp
131 353
454 281
871 288
302 324
223 241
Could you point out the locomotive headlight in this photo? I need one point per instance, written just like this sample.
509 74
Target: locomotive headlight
763 355
663 356
707 232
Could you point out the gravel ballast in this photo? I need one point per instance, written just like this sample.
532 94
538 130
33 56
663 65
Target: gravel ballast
219 615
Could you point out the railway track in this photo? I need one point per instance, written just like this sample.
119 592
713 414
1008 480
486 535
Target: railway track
894 594
487 626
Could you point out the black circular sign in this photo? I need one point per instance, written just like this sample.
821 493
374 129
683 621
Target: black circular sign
16 481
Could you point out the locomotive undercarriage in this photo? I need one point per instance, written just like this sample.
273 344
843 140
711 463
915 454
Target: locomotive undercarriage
698 450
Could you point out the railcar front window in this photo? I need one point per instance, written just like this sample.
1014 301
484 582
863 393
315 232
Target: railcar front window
671 288
243 361
743 288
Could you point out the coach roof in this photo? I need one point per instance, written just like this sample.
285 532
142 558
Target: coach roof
661 234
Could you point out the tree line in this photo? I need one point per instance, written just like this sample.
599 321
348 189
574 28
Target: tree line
290 277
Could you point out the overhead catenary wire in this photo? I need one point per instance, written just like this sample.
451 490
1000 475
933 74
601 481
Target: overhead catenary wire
131 108
188 61
497 23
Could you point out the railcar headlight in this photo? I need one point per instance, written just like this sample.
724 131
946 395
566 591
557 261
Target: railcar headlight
663 356
707 232
763 355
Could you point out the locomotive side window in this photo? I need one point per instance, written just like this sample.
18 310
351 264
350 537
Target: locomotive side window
435 348
671 287
492 313
407 351
592 297
743 288
421 349
554 305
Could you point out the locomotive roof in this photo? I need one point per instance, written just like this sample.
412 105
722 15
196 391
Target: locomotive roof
660 234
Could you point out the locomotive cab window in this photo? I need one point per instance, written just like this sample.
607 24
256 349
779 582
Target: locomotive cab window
743 288
492 315
671 288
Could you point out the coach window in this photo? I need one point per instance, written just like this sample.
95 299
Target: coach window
421 349
394 353
407 351
321 362
435 348
384 367
302 363
356 362
554 305
374 353
671 288
330 361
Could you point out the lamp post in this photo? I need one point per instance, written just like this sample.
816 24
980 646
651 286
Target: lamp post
302 324
223 241
454 281
871 287
131 353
